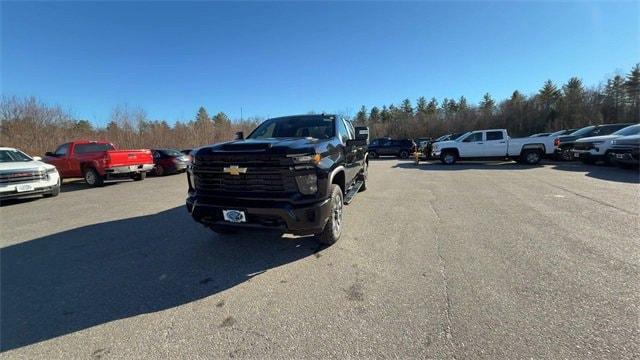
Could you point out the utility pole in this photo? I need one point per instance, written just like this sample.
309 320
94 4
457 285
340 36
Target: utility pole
240 113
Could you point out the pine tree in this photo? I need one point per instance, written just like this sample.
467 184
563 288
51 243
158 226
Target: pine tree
615 99
421 106
632 86
361 116
202 115
374 115
406 107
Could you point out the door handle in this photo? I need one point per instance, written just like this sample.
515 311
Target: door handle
503 142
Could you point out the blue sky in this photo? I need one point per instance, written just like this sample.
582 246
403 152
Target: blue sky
286 58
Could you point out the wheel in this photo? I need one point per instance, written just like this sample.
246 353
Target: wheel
363 177
373 155
404 154
448 157
55 192
530 157
223 230
333 228
92 177
566 154
158 171
139 176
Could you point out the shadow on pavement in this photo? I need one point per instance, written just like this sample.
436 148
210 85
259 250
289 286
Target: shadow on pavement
609 173
76 279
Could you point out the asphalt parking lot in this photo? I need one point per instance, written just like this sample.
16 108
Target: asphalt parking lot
475 260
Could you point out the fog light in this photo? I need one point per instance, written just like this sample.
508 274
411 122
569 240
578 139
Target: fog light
307 184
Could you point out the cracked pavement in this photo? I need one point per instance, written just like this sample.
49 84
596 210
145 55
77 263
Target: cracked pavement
475 260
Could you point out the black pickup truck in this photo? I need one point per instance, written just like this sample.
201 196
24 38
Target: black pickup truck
292 174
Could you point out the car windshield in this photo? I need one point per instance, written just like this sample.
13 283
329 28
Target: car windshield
319 127
629 130
171 152
456 136
583 131
7 156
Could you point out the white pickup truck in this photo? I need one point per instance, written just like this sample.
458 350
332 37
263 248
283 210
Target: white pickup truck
493 144
22 175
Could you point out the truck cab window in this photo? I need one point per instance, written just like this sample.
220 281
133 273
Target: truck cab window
473 137
62 150
494 135
342 131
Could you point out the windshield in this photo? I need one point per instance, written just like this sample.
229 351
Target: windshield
583 131
456 136
13 156
298 126
171 152
629 130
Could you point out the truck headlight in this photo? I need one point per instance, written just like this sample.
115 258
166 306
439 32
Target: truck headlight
305 159
307 184
52 171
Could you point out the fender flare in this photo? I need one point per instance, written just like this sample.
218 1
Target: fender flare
333 173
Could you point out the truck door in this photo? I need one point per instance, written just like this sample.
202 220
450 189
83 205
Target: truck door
61 159
350 152
495 144
472 145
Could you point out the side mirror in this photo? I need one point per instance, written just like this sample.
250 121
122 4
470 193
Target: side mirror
36 158
49 153
239 135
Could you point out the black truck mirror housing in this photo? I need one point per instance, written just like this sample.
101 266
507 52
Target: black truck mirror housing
362 133
239 135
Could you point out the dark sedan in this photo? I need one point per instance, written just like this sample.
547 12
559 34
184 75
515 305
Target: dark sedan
169 161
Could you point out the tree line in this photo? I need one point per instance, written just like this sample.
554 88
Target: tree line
37 127
571 105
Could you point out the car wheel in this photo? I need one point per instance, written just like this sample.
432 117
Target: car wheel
333 228
373 155
93 178
566 154
448 157
55 192
159 170
139 176
363 177
531 157
404 154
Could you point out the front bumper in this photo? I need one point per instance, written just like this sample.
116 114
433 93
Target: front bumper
629 157
286 217
587 154
43 187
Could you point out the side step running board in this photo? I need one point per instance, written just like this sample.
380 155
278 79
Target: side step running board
351 193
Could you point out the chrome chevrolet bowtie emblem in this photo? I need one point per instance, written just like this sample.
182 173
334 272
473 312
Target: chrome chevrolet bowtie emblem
234 170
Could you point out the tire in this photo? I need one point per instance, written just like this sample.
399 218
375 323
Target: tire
566 154
93 178
223 230
530 157
55 192
373 155
404 154
158 171
139 176
333 229
363 177
448 157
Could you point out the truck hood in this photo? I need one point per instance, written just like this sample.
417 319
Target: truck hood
24 165
282 146
443 144
598 138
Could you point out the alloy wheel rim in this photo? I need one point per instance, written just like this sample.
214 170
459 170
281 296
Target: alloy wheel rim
90 178
448 158
337 215
532 157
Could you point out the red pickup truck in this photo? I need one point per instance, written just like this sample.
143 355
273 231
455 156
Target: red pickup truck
97 161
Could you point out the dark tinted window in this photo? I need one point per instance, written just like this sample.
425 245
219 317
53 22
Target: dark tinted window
89 148
494 135
473 137
342 131
62 150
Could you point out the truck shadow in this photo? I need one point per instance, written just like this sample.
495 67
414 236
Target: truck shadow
80 184
76 279
602 172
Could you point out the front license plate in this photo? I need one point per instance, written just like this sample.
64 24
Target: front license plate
576 155
234 216
24 187
620 156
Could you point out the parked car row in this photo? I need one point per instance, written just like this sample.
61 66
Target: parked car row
94 161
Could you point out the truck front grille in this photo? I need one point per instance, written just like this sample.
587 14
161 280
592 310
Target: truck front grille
254 180
583 146
17 177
